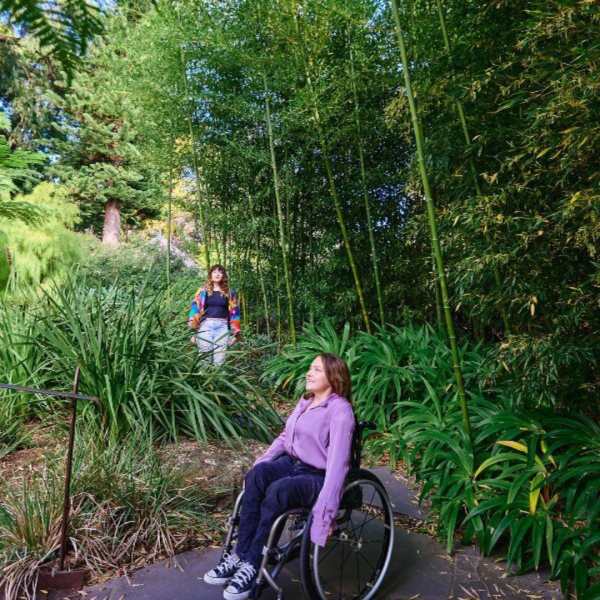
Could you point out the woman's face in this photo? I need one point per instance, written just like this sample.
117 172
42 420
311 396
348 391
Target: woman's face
217 276
316 380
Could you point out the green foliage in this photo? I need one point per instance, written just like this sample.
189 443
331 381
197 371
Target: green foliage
135 263
46 249
63 31
127 499
4 260
529 480
132 345
99 161
29 529
16 167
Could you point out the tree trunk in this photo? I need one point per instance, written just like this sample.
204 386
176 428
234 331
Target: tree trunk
112 223
363 175
282 229
437 250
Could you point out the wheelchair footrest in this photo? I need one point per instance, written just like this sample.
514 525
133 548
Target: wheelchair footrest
256 590
276 553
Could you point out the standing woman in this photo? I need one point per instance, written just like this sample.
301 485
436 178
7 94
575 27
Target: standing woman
215 315
305 467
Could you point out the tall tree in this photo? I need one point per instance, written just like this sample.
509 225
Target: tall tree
100 165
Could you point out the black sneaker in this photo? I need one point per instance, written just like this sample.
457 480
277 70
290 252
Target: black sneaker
224 571
240 586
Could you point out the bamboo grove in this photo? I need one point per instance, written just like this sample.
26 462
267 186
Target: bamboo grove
315 156
369 161
412 184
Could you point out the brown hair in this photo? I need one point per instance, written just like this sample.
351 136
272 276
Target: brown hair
337 373
208 284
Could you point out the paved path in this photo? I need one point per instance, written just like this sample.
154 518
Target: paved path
420 570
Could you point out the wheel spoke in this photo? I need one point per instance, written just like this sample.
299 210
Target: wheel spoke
366 559
357 575
371 503
371 519
329 551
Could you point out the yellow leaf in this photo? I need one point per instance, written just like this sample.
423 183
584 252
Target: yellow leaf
532 309
544 448
534 494
515 445
543 152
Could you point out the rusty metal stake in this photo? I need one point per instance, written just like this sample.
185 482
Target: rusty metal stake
67 500
67 495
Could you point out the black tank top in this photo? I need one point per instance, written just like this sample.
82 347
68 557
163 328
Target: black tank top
217 306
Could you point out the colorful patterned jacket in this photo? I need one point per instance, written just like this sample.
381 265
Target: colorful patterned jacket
199 307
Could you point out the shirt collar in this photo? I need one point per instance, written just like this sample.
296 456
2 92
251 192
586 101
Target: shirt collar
332 396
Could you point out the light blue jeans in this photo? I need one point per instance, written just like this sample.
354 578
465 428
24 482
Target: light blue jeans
213 340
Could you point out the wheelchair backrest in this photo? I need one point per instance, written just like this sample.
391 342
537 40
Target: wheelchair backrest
356 451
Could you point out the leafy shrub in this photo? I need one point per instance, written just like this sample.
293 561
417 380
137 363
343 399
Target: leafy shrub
127 501
132 345
528 478
29 530
392 364
44 249
137 262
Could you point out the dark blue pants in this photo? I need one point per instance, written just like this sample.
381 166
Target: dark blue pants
271 489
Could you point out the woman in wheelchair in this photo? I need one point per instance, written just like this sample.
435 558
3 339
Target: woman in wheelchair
304 467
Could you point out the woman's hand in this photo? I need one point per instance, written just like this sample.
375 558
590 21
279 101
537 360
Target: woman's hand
235 338
193 339
332 530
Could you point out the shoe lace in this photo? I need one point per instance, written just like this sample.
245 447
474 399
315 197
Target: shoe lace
245 573
228 561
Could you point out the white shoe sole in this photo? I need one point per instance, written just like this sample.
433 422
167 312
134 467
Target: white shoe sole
216 580
240 596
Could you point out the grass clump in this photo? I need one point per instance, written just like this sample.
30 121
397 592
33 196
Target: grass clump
130 506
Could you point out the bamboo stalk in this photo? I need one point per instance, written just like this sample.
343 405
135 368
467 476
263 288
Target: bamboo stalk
333 187
195 162
286 266
277 295
169 231
365 192
242 292
258 267
467 136
432 220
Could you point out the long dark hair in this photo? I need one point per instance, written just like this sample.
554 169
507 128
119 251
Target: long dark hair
338 374
208 284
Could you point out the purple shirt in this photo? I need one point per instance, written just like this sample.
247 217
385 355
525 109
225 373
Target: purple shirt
320 437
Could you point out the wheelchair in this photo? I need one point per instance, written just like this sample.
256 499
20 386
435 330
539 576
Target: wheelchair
356 557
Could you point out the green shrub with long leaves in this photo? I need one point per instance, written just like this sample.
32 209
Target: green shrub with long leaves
132 345
128 500
528 480
393 364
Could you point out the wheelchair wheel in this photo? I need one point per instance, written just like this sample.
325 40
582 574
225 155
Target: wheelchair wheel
355 559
